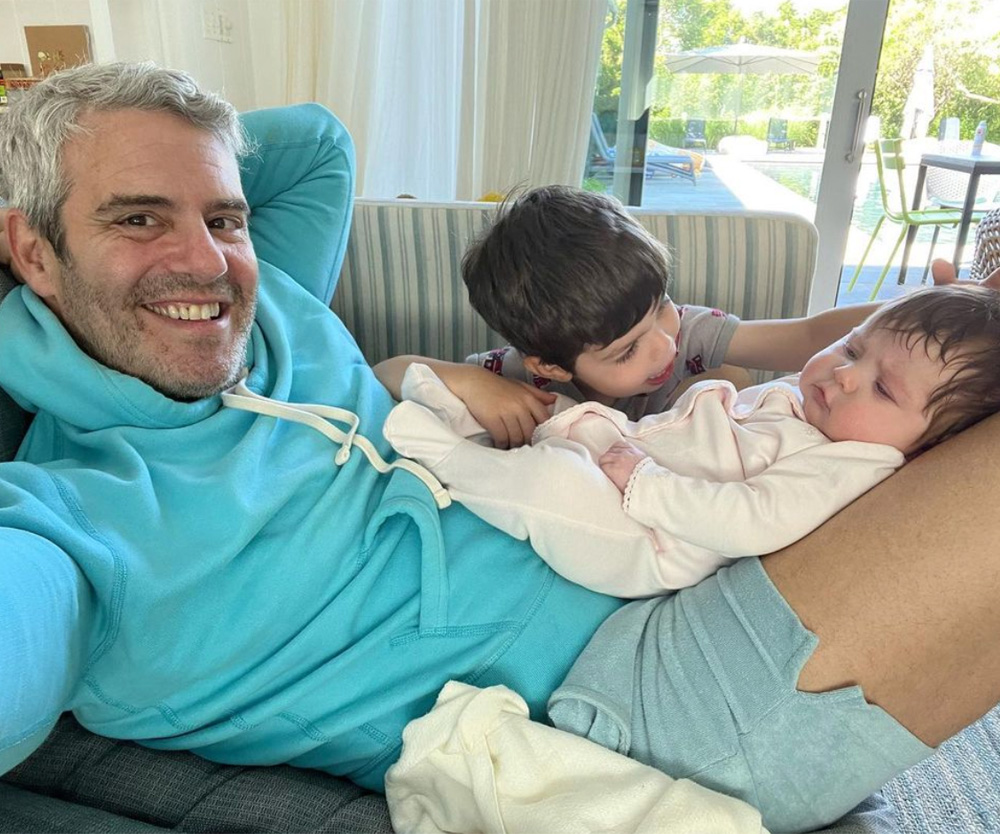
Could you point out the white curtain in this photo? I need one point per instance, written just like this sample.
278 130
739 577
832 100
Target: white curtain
528 93
445 99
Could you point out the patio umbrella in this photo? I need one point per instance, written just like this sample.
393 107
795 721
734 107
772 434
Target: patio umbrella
742 58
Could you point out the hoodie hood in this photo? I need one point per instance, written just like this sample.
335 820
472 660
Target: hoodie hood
44 370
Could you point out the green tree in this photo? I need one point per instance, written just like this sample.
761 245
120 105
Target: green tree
966 39
965 35
609 74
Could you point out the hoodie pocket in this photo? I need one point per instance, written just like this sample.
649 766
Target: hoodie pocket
407 497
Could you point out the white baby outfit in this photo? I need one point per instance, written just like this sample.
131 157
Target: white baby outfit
727 475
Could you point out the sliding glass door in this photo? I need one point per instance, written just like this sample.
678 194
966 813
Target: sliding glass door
845 147
766 103
938 77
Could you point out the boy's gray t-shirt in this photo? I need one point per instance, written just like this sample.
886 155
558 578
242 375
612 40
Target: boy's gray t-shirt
702 343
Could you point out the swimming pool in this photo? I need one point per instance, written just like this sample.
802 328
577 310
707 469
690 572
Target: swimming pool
803 178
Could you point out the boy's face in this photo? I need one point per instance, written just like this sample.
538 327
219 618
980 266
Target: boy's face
639 362
869 386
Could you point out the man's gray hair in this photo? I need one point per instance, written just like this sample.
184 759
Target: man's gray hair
36 127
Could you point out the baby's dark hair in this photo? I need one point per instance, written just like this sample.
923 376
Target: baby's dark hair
963 323
561 270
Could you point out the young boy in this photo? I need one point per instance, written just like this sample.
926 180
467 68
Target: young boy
579 289
639 508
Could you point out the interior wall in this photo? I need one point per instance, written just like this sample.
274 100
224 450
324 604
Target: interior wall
180 34
16 14
170 32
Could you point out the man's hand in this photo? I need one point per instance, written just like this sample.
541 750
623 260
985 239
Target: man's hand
619 461
944 273
508 409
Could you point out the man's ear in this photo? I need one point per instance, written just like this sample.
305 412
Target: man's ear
546 369
33 259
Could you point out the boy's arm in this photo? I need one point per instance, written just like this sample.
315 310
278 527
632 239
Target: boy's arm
508 409
390 372
787 344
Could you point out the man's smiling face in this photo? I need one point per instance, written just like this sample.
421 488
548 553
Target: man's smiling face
159 279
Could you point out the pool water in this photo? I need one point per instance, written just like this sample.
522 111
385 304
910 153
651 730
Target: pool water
803 178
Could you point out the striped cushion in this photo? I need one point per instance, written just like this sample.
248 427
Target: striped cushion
757 265
13 421
401 288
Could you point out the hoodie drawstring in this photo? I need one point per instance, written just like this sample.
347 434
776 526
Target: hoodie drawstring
318 417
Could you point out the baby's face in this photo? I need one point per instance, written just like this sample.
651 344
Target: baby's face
870 386
638 362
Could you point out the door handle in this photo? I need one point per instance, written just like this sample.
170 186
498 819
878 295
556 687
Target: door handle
858 125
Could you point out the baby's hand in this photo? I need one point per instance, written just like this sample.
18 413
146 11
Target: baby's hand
619 461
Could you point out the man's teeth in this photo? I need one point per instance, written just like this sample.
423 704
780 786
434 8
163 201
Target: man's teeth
187 312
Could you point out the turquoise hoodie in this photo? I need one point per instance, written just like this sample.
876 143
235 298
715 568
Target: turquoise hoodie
197 576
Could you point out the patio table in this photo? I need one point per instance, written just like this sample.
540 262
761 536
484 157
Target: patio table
975 167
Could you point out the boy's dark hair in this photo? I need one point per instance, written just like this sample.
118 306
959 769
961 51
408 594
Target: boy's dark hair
562 269
963 323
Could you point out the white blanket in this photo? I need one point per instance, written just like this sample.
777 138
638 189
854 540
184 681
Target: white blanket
477 763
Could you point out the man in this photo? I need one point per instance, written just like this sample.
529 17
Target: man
214 579
231 575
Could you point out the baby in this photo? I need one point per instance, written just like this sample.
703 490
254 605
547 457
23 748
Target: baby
640 508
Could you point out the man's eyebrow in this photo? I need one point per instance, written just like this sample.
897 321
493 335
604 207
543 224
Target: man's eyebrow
231 205
117 202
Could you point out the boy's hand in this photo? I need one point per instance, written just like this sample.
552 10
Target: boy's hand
508 409
619 461
943 272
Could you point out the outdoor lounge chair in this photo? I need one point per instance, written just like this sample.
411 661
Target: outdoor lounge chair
777 135
659 158
694 134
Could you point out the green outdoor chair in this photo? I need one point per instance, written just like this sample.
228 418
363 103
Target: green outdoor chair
896 207
777 135
694 134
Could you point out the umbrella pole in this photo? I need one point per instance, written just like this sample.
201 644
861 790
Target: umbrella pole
739 103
